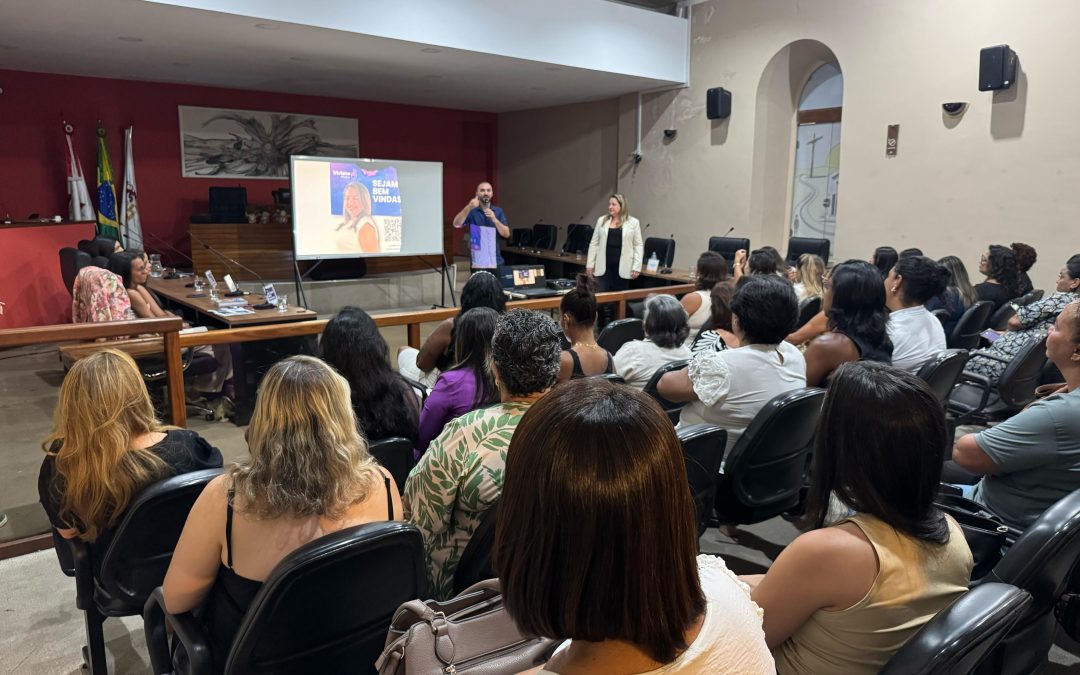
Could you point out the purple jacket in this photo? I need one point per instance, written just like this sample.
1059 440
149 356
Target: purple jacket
453 396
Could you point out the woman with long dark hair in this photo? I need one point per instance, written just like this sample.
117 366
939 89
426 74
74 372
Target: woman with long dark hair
957 297
468 383
854 304
1002 273
711 270
483 289
585 357
384 403
879 564
883 259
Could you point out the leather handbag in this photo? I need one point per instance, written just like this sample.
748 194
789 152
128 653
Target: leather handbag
471 633
984 531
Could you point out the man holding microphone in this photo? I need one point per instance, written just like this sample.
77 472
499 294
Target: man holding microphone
487 223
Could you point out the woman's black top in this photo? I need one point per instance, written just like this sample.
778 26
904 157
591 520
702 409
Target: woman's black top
231 595
882 353
614 250
995 293
578 372
182 450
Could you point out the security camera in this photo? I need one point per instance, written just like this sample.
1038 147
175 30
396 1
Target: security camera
954 109
670 134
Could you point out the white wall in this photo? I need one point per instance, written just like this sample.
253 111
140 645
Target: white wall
592 34
1008 171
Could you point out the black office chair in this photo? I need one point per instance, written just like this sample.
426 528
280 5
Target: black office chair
664 248
808 309
396 456
619 332
1041 562
703 449
973 322
325 608
610 377
764 473
115 577
521 236
961 636
98 247
727 246
977 400
544 236
942 315
1030 297
999 320
942 371
672 408
475 563
71 261
799 245
578 236
418 387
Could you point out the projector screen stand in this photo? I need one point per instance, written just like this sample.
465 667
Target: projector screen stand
444 282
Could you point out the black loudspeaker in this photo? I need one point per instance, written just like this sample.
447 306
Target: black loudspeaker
997 68
718 103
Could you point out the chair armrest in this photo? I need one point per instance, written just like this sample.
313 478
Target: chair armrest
982 382
994 357
84 574
186 629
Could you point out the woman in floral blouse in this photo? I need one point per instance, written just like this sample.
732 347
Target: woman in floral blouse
461 474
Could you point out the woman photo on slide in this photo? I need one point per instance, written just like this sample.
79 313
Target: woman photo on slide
358 232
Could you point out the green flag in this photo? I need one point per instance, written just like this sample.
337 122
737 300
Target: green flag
106 214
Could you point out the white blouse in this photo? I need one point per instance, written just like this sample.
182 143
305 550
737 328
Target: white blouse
637 360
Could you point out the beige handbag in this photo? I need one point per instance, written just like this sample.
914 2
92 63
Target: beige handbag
472 633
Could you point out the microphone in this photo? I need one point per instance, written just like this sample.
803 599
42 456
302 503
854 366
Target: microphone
730 230
161 242
226 259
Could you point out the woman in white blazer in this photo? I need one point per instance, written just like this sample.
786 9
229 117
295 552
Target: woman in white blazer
616 248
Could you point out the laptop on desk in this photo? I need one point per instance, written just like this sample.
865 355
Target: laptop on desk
527 281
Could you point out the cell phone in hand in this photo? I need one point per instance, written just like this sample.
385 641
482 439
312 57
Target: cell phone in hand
991 335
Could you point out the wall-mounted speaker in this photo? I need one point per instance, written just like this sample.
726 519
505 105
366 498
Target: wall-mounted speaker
718 103
997 68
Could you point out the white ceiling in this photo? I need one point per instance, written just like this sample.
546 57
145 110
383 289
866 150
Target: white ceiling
137 40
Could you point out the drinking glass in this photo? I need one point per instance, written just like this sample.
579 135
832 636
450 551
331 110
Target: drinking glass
283 303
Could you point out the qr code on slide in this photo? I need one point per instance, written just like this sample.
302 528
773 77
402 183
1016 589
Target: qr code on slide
392 234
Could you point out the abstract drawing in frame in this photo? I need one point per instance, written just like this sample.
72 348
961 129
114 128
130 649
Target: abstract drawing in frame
230 143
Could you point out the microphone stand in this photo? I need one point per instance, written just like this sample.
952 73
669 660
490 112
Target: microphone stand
226 259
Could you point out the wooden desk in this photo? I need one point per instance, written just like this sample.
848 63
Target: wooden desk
677 276
176 290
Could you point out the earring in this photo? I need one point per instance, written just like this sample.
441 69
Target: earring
895 288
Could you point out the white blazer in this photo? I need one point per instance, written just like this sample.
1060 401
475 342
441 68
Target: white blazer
633 248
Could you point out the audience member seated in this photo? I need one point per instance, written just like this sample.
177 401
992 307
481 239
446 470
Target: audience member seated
384 403
98 295
915 333
468 383
762 261
1002 274
461 474
1032 460
1025 259
807 275
728 388
106 446
585 357
883 259
483 289
1030 323
854 304
844 597
716 334
596 543
309 474
957 297
665 341
910 253
711 270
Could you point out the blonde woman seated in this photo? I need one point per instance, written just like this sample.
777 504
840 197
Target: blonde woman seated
309 474
807 275
666 329
106 446
844 597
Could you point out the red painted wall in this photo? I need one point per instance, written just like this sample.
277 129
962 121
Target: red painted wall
32 177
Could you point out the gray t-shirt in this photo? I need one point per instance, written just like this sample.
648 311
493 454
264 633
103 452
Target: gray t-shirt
1038 458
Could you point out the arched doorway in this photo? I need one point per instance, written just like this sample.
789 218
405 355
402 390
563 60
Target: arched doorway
816 173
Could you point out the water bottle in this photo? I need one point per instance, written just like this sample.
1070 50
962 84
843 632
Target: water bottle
654 263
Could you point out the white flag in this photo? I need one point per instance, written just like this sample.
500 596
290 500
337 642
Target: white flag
130 226
79 205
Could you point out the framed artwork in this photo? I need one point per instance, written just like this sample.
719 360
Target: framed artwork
230 143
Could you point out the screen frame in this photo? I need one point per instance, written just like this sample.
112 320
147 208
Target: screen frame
354 255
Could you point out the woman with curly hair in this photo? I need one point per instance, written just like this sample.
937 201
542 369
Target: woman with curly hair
1002 273
309 474
1025 259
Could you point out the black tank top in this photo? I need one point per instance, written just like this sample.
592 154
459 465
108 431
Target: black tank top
231 595
578 372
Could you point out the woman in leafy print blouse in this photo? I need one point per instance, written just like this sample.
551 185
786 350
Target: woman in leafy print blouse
461 474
